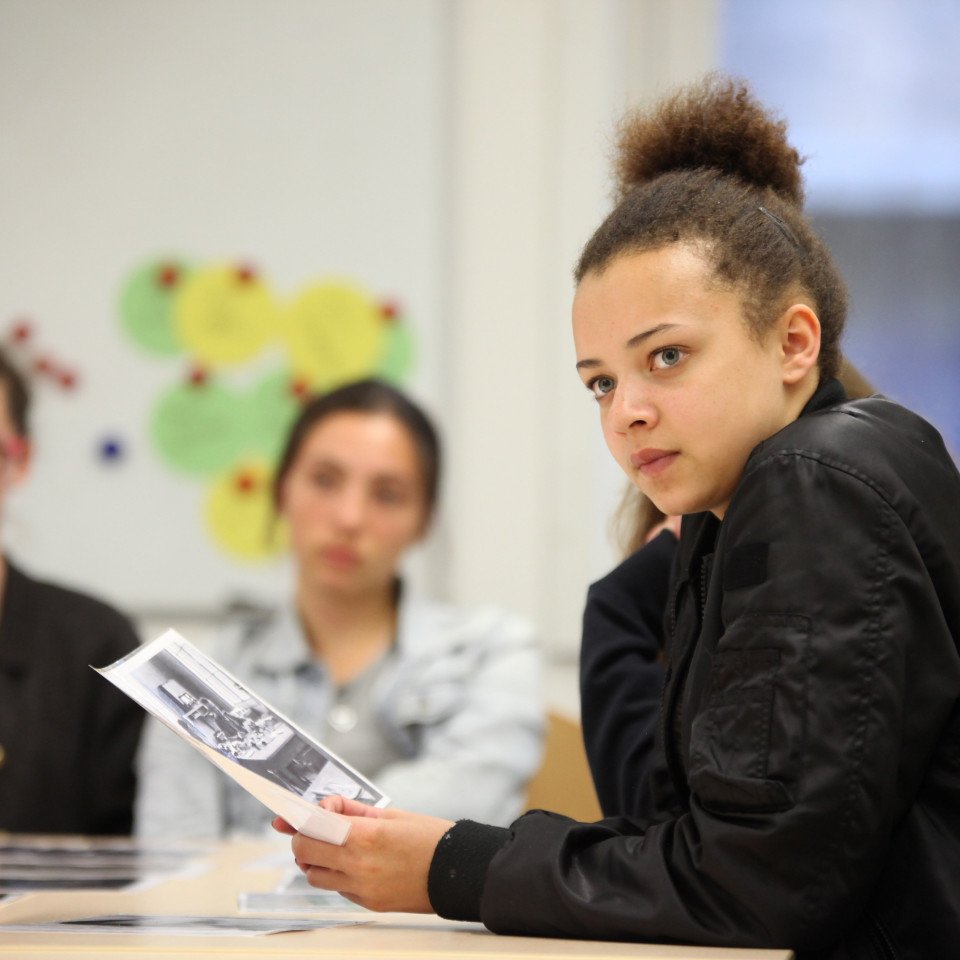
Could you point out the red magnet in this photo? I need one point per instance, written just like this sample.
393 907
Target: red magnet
21 331
246 274
168 275
300 389
245 483
197 377
389 310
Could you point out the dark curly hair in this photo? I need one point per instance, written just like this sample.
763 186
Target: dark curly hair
712 167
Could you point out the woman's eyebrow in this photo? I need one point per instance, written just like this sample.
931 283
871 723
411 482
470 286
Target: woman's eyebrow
634 341
652 332
326 462
395 478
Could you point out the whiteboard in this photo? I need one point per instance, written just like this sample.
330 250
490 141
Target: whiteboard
302 136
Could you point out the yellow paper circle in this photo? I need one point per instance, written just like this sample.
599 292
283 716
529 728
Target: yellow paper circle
224 315
239 513
336 333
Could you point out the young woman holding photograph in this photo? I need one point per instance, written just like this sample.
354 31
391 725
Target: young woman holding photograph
810 721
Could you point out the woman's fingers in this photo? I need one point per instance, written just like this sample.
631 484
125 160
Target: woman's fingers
341 805
324 879
350 808
384 863
309 852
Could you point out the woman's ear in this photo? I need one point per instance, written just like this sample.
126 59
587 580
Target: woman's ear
19 460
426 524
800 342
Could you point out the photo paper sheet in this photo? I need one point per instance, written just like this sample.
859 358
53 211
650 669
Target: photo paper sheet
267 754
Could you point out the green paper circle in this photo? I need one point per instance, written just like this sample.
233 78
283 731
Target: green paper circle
271 409
199 429
397 360
146 306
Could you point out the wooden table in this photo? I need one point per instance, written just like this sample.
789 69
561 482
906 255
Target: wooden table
213 891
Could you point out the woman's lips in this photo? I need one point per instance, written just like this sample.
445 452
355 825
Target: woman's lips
340 556
651 462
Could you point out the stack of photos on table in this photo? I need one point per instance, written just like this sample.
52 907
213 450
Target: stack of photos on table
29 863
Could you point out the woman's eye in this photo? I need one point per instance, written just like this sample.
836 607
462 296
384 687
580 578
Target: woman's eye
389 496
601 386
324 480
667 357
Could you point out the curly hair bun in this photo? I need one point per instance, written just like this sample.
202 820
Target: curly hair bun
715 124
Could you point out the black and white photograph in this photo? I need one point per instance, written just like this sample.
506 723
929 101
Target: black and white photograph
192 693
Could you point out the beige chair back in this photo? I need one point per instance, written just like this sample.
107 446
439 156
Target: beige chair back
563 783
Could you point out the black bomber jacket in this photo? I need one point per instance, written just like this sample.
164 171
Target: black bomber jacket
809 722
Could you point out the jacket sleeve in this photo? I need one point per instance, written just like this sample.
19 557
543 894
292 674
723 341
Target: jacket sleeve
477 714
621 680
792 756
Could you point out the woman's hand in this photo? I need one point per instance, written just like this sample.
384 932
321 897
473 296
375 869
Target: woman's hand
385 861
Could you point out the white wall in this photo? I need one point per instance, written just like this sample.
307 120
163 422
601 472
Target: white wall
305 136
538 86
453 152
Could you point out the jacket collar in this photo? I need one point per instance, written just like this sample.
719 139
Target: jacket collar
828 394
283 647
700 529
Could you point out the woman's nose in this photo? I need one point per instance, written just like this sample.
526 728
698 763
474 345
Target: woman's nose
632 407
350 508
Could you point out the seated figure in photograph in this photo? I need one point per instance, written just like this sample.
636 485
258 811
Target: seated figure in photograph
68 739
438 705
